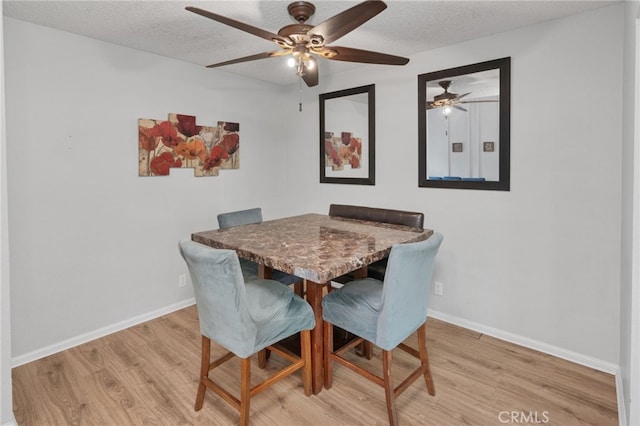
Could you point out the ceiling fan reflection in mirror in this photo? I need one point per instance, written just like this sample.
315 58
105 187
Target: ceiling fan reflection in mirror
303 41
448 100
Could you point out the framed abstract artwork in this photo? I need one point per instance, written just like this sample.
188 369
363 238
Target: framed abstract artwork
179 143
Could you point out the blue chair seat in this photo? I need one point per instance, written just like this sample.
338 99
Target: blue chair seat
360 299
276 311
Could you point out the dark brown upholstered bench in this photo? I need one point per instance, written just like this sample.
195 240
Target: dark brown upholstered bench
373 214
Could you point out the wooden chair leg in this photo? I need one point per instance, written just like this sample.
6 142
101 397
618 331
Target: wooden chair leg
388 387
298 288
364 349
367 349
204 371
245 390
305 353
424 358
328 351
263 356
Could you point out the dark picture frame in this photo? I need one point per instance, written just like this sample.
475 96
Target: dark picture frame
347 154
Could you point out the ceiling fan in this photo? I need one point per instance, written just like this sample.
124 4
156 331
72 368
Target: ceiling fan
448 99
303 41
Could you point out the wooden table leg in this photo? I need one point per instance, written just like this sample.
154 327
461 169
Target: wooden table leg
265 273
314 297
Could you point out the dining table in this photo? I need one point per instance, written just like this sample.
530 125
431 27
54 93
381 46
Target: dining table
317 248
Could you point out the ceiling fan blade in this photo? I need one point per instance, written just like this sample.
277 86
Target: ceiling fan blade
460 108
348 54
263 55
431 105
463 95
338 25
267 35
310 75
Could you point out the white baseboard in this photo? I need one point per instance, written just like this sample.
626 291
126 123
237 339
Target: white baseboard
622 405
12 422
101 332
556 351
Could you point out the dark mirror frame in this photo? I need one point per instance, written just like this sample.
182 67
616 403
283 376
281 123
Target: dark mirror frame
371 137
504 65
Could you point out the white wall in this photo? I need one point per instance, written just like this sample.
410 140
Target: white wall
630 262
539 264
93 244
6 404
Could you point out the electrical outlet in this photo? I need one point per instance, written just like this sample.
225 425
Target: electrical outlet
182 280
438 288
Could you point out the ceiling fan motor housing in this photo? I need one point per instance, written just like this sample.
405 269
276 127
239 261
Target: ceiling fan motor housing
301 10
446 95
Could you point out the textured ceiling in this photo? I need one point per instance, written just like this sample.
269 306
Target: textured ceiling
166 28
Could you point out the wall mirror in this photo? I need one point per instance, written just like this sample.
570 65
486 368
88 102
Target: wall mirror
464 126
347 136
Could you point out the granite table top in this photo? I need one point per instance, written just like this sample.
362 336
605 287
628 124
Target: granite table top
313 246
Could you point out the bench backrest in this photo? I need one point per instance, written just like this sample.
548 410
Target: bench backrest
374 214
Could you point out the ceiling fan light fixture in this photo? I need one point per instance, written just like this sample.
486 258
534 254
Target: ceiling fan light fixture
446 110
299 62
309 64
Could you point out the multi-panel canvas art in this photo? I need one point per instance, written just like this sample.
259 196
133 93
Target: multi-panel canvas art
179 143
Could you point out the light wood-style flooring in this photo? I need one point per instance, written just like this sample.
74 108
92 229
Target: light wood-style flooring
147 374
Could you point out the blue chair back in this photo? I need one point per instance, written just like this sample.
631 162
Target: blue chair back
220 296
240 217
406 290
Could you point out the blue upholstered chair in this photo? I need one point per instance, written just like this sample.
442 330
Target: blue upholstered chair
249 268
385 313
244 318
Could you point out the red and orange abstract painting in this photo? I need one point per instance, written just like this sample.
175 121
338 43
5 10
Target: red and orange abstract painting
179 143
